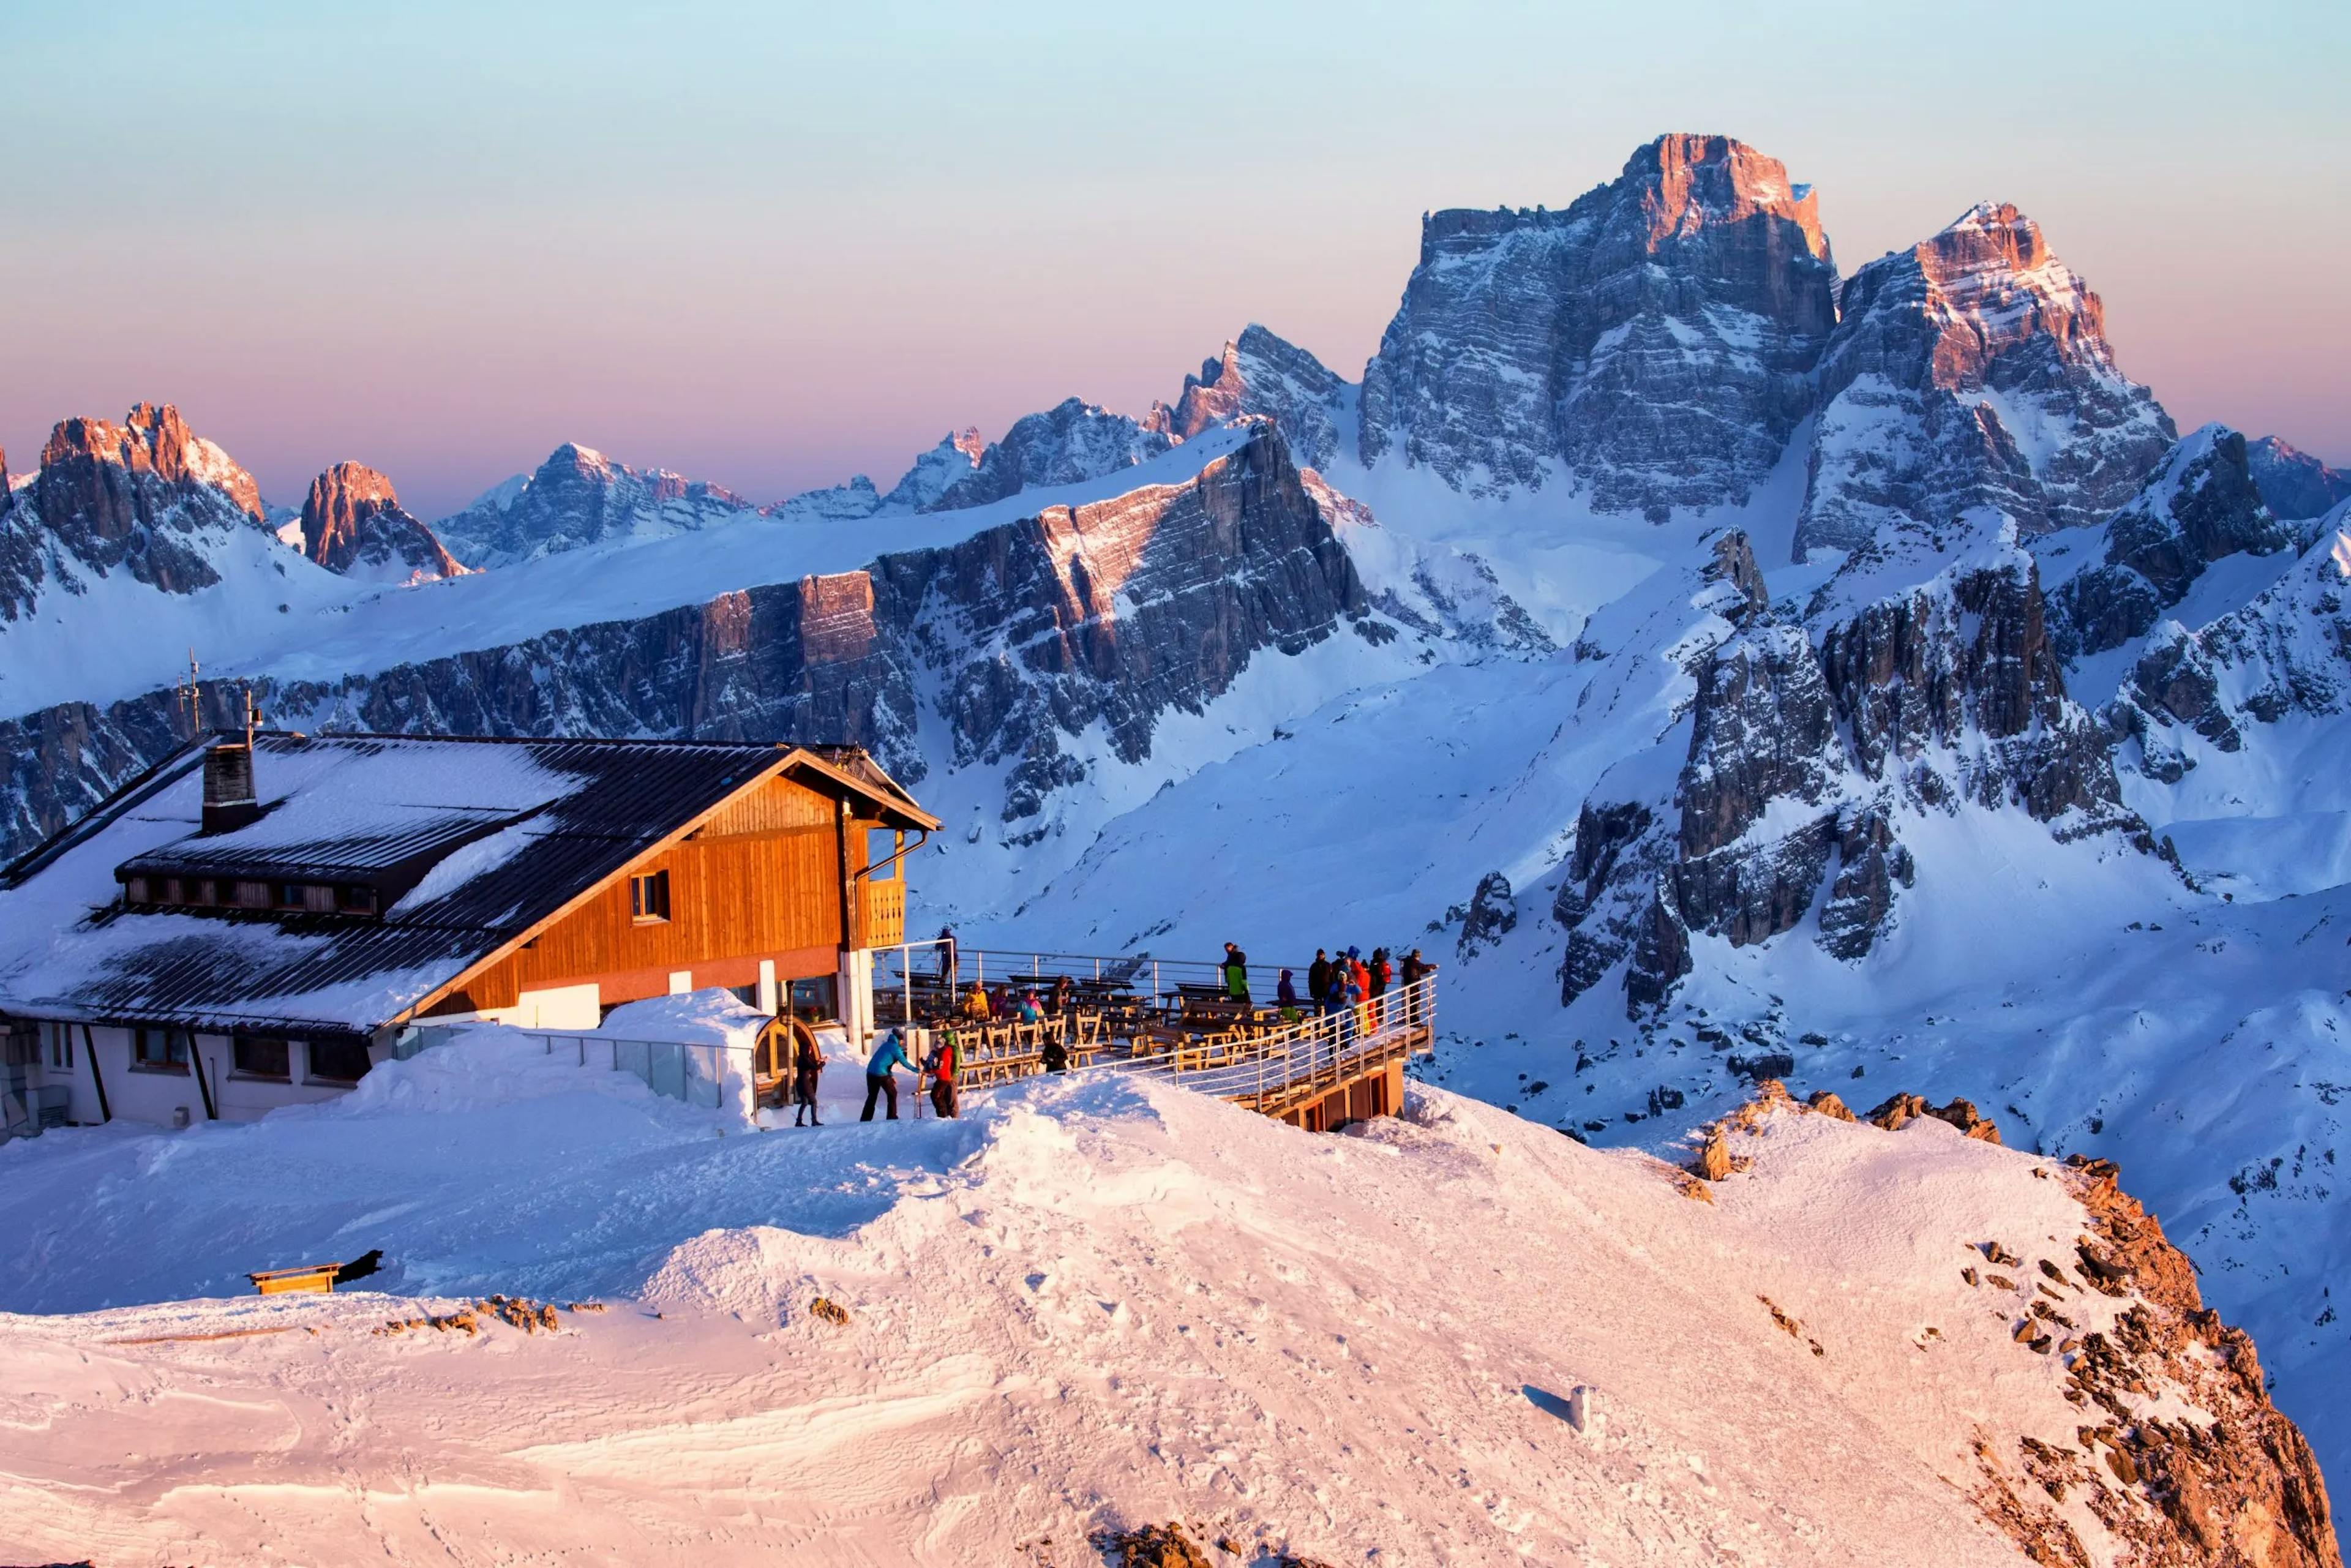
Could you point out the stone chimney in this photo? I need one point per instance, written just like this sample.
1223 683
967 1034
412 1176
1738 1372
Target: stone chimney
229 802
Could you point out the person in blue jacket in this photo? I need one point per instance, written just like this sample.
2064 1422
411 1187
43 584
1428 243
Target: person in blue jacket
881 1073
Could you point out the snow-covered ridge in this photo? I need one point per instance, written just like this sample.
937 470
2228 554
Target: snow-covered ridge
1096 1303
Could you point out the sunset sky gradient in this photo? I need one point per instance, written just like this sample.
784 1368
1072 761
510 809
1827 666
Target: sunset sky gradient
773 246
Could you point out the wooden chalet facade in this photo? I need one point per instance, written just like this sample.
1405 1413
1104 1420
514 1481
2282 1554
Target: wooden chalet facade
254 922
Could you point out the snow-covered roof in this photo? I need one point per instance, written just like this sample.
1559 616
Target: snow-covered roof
467 843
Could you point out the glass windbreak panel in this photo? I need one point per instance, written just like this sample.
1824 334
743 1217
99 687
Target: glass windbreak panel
260 1056
340 1060
817 1001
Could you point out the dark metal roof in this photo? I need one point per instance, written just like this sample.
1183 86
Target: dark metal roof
490 838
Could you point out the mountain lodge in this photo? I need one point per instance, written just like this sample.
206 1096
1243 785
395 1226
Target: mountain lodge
252 922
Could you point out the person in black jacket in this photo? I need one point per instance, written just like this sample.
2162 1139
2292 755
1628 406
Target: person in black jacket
1318 977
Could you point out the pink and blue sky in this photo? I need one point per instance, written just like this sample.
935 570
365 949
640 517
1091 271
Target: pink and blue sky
772 246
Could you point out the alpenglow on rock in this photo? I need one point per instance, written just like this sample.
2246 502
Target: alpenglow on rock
1656 338
1068 443
1259 373
352 524
579 497
145 496
1972 370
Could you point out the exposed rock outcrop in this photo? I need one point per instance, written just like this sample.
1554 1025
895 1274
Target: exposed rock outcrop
1110 614
352 524
937 471
1656 338
579 497
1071 442
1261 375
2285 652
145 496
1491 915
1973 370
2293 484
2109 585
1807 743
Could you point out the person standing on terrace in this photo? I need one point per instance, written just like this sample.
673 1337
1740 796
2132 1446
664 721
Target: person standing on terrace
1236 976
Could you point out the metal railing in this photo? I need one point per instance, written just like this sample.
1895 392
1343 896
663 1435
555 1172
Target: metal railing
1145 975
1273 1070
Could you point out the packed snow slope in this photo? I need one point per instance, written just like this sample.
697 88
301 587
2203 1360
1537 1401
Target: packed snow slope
1094 1302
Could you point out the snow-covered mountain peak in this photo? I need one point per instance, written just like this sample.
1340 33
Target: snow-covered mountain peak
352 523
579 497
1259 373
1972 370
1692 181
1651 345
2294 483
1072 442
937 472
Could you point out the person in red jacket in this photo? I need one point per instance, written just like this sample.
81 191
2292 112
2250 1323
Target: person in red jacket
941 1065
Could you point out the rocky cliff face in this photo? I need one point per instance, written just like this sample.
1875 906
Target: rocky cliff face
2284 654
145 498
998 652
576 498
1922 685
1973 370
1656 338
2108 585
1071 442
1260 374
352 524
937 471
2295 484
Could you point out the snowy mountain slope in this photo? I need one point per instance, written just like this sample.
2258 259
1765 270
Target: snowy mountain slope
579 497
1654 340
2295 484
1097 1303
2201 507
1972 370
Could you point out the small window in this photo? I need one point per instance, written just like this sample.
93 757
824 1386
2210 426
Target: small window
339 1061
259 1056
61 1045
199 892
289 895
649 896
356 900
159 1049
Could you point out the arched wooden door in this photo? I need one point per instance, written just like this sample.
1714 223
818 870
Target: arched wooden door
772 1058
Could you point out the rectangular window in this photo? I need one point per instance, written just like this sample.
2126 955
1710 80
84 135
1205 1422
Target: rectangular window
356 900
289 895
60 1045
159 1049
338 1060
649 896
198 891
258 1056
